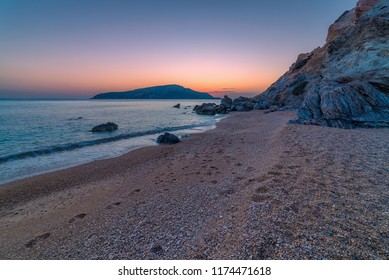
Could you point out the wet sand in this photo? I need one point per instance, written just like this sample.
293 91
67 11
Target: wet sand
253 188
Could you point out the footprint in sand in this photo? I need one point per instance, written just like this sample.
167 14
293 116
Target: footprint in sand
276 180
227 192
259 198
262 189
276 173
113 205
256 180
278 166
77 217
294 166
260 195
41 237
250 168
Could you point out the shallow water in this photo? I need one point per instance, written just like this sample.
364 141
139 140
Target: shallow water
37 136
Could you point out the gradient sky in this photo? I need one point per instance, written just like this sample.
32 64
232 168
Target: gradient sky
79 48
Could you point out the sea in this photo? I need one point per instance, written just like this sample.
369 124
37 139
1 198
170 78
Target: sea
38 136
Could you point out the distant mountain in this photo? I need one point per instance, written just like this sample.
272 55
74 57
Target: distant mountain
158 92
345 83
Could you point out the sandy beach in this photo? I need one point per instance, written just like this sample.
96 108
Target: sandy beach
253 188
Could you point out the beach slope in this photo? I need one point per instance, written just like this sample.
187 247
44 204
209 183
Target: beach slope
253 188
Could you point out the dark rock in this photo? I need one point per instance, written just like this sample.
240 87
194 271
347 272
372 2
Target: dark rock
299 88
347 106
75 119
270 110
167 138
344 80
156 248
261 105
177 106
242 104
226 102
107 127
226 105
302 59
222 109
206 109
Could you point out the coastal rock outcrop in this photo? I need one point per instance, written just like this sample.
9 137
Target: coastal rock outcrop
209 109
226 105
226 102
177 106
107 127
167 138
345 83
242 104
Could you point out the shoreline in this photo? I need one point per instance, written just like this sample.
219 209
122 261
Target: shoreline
252 188
141 143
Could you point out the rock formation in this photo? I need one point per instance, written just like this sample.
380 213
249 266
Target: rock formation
242 104
107 127
345 83
167 138
226 105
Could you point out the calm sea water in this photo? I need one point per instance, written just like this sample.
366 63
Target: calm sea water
40 136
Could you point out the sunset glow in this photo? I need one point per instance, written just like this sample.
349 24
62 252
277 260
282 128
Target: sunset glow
73 49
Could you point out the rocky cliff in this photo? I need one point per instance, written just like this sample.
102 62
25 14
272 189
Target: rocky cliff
345 83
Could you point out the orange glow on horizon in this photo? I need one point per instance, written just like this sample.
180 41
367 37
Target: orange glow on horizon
76 50
208 74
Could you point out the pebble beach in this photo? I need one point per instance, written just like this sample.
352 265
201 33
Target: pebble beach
255 187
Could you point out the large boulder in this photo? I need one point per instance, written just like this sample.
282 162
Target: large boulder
107 127
167 138
226 105
206 109
345 83
226 102
242 104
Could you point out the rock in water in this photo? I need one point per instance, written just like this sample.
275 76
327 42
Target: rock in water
206 109
107 127
345 83
177 106
167 138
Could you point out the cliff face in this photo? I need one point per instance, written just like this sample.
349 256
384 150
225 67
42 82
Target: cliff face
345 83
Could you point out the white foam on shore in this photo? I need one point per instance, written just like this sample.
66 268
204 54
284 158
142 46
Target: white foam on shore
28 167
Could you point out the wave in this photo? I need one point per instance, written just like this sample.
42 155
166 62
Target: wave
81 144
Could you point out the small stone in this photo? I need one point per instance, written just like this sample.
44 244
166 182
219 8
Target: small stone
156 248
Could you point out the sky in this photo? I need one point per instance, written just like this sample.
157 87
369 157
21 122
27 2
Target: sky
76 49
